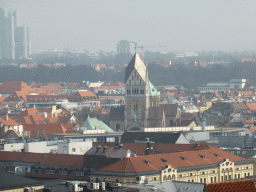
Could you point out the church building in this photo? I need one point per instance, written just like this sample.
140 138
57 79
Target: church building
142 102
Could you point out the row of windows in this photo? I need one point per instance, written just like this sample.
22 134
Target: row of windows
62 172
135 91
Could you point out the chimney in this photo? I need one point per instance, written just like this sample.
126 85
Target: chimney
5 128
203 124
117 140
120 146
148 150
105 149
45 115
6 116
98 148
222 131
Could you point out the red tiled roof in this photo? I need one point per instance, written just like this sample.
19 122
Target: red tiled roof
252 106
12 86
9 122
44 159
47 128
253 128
248 121
232 186
176 160
2 98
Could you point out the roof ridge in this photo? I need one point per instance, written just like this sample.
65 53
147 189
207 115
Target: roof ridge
132 165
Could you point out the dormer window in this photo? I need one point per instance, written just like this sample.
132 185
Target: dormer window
50 172
202 156
63 172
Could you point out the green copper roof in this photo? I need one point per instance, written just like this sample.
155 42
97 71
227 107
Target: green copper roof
152 90
93 123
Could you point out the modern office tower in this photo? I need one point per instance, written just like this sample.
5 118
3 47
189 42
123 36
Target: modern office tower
14 40
21 42
4 44
15 18
123 46
11 43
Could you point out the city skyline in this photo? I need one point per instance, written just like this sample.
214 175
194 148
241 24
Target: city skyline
98 25
14 39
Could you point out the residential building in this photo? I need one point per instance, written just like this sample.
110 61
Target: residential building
203 166
156 137
223 86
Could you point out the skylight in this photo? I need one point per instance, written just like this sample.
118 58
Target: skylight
183 158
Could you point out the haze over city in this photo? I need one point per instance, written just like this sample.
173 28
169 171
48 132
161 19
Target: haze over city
186 25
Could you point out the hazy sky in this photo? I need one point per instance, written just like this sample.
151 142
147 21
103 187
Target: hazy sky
183 25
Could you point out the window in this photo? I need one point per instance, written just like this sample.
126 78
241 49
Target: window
238 176
221 178
63 172
73 149
244 174
203 173
235 176
79 173
50 172
117 127
204 180
215 179
246 167
229 177
39 171
226 177
33 171
201 180
180 175
211 179
154 178
188 180
142 91
190 174
192 180
213 171
248 174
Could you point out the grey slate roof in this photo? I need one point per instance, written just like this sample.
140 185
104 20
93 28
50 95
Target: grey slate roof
157 137
136 63
10 181
112 152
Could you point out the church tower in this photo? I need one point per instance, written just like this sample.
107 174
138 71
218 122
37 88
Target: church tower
137 99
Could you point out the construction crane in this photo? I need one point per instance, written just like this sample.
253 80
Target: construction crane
146 46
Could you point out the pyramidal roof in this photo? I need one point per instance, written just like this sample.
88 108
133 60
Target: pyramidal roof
136 63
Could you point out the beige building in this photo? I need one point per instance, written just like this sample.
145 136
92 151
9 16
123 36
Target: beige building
205 166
